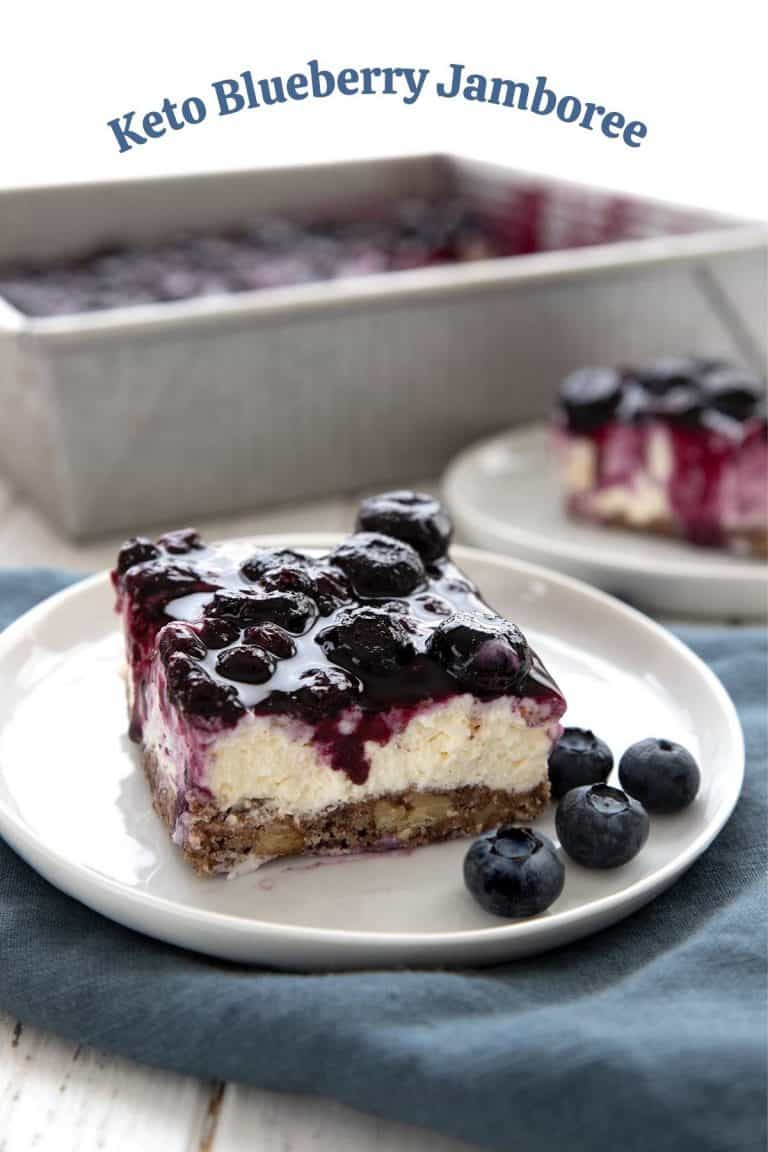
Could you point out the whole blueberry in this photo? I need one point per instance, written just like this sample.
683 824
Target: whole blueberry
368 640
177 637
288 578
218 632
265 559
138 550
272 638
324 692
157 582
589 397
733 392
662 775
291 610
226 603
331 589
578 757
680 404
246 663
414 517
600 826
658 376
379 565
182 541
198 695
485 654
514 872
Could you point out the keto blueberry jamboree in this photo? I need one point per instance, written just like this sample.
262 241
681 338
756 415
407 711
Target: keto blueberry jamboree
678 447
364 699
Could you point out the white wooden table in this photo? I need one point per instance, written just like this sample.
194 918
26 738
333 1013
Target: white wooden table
59 1097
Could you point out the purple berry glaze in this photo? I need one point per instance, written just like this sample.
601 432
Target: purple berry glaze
351 668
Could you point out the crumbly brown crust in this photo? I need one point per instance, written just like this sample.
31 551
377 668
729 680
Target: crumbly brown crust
749 542
219 841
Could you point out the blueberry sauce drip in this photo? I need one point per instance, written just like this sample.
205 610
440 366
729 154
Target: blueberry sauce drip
355 673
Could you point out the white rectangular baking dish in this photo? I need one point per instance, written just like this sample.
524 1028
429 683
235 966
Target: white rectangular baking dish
155 414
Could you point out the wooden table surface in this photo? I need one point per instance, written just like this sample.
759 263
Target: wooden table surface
60 1097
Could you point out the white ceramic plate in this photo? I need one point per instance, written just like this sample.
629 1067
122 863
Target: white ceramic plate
504 493
74 803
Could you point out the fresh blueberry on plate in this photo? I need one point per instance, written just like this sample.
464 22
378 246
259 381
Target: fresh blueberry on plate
662 775
514 872
578 757
600 826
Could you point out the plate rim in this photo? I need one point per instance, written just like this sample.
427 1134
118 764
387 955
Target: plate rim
29 846
750 572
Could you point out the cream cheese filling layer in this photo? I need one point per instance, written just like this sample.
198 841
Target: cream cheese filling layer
460 742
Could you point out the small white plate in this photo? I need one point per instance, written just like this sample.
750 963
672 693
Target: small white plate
74 803
504 493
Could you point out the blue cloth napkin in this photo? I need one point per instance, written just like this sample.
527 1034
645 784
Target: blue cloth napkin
650 1035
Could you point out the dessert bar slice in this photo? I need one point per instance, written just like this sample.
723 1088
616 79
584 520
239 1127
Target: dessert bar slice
364 699
678 447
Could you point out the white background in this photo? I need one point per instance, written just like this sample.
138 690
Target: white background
694 72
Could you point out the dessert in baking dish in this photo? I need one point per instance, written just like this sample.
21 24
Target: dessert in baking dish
678 447
368 698
271 252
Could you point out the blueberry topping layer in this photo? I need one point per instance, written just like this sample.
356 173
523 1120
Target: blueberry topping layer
350 644
686 391
657 377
